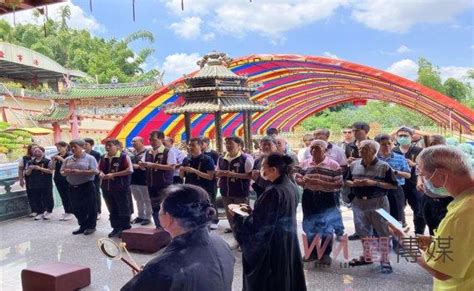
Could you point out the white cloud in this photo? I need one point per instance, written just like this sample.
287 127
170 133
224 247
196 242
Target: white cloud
330 55
78 20
188 28
459 73
472 47
209 36
409 69
400 16
270 18
403 49
176 65
405 68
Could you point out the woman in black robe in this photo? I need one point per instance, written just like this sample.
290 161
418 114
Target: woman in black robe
271 255
194 260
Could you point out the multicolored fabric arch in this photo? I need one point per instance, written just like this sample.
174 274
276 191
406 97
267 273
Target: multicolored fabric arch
298 86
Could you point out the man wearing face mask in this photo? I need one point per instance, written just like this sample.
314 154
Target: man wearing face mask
446 171
412 196
434 204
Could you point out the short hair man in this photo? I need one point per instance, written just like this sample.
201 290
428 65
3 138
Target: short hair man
412 196
360 130
267 146
89 148
445 170
370 178
138 183
115 171
302 153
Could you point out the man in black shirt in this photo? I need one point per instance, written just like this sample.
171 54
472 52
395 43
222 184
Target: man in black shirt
208 151
412 196
88 148
198 169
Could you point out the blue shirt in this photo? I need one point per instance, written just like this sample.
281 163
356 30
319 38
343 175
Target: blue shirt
398 163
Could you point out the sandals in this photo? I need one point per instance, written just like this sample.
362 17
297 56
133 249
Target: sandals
359 262
386 268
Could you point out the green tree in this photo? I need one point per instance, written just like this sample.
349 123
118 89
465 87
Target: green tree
429 76
455 89
78 49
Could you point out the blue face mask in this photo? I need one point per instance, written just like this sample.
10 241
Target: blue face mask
403 140
437 191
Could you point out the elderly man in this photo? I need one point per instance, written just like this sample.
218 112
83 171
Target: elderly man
80 170
446 171
370 179
320 177
333 151
282 147
267 146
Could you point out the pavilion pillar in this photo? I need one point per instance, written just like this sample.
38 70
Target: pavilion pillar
218 125
187 125
74 120
246 129
249 120
56 132
4 114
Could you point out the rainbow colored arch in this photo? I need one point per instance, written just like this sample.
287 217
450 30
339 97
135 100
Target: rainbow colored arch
299 86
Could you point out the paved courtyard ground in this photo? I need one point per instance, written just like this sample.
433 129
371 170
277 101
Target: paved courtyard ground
24 243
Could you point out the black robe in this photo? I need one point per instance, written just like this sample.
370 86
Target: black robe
193 261
271 255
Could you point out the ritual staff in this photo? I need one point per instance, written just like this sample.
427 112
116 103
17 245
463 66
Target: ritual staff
271 256
80 170
40 183
160 165
60 181
194 259
198 169
115 171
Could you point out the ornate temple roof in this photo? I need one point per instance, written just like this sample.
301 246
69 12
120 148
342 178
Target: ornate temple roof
215 88
57 113
103 91
224 105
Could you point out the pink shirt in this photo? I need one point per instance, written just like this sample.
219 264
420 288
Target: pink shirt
328 171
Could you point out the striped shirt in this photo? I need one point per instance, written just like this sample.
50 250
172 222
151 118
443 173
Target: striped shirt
328 171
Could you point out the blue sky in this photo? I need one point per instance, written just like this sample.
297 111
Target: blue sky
385 34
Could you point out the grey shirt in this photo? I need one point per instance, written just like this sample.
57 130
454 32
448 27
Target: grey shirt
85 162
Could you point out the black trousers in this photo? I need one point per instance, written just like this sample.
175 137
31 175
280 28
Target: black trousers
118 204
41 199
156 197
434 210
396 200
63 189
83 199
97 194
414 199
177 180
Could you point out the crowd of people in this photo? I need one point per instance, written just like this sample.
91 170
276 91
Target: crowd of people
177 191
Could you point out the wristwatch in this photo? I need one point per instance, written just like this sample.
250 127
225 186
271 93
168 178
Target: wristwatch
395 172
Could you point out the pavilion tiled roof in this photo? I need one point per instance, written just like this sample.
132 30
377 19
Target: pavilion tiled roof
57 114
223 105
122 91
